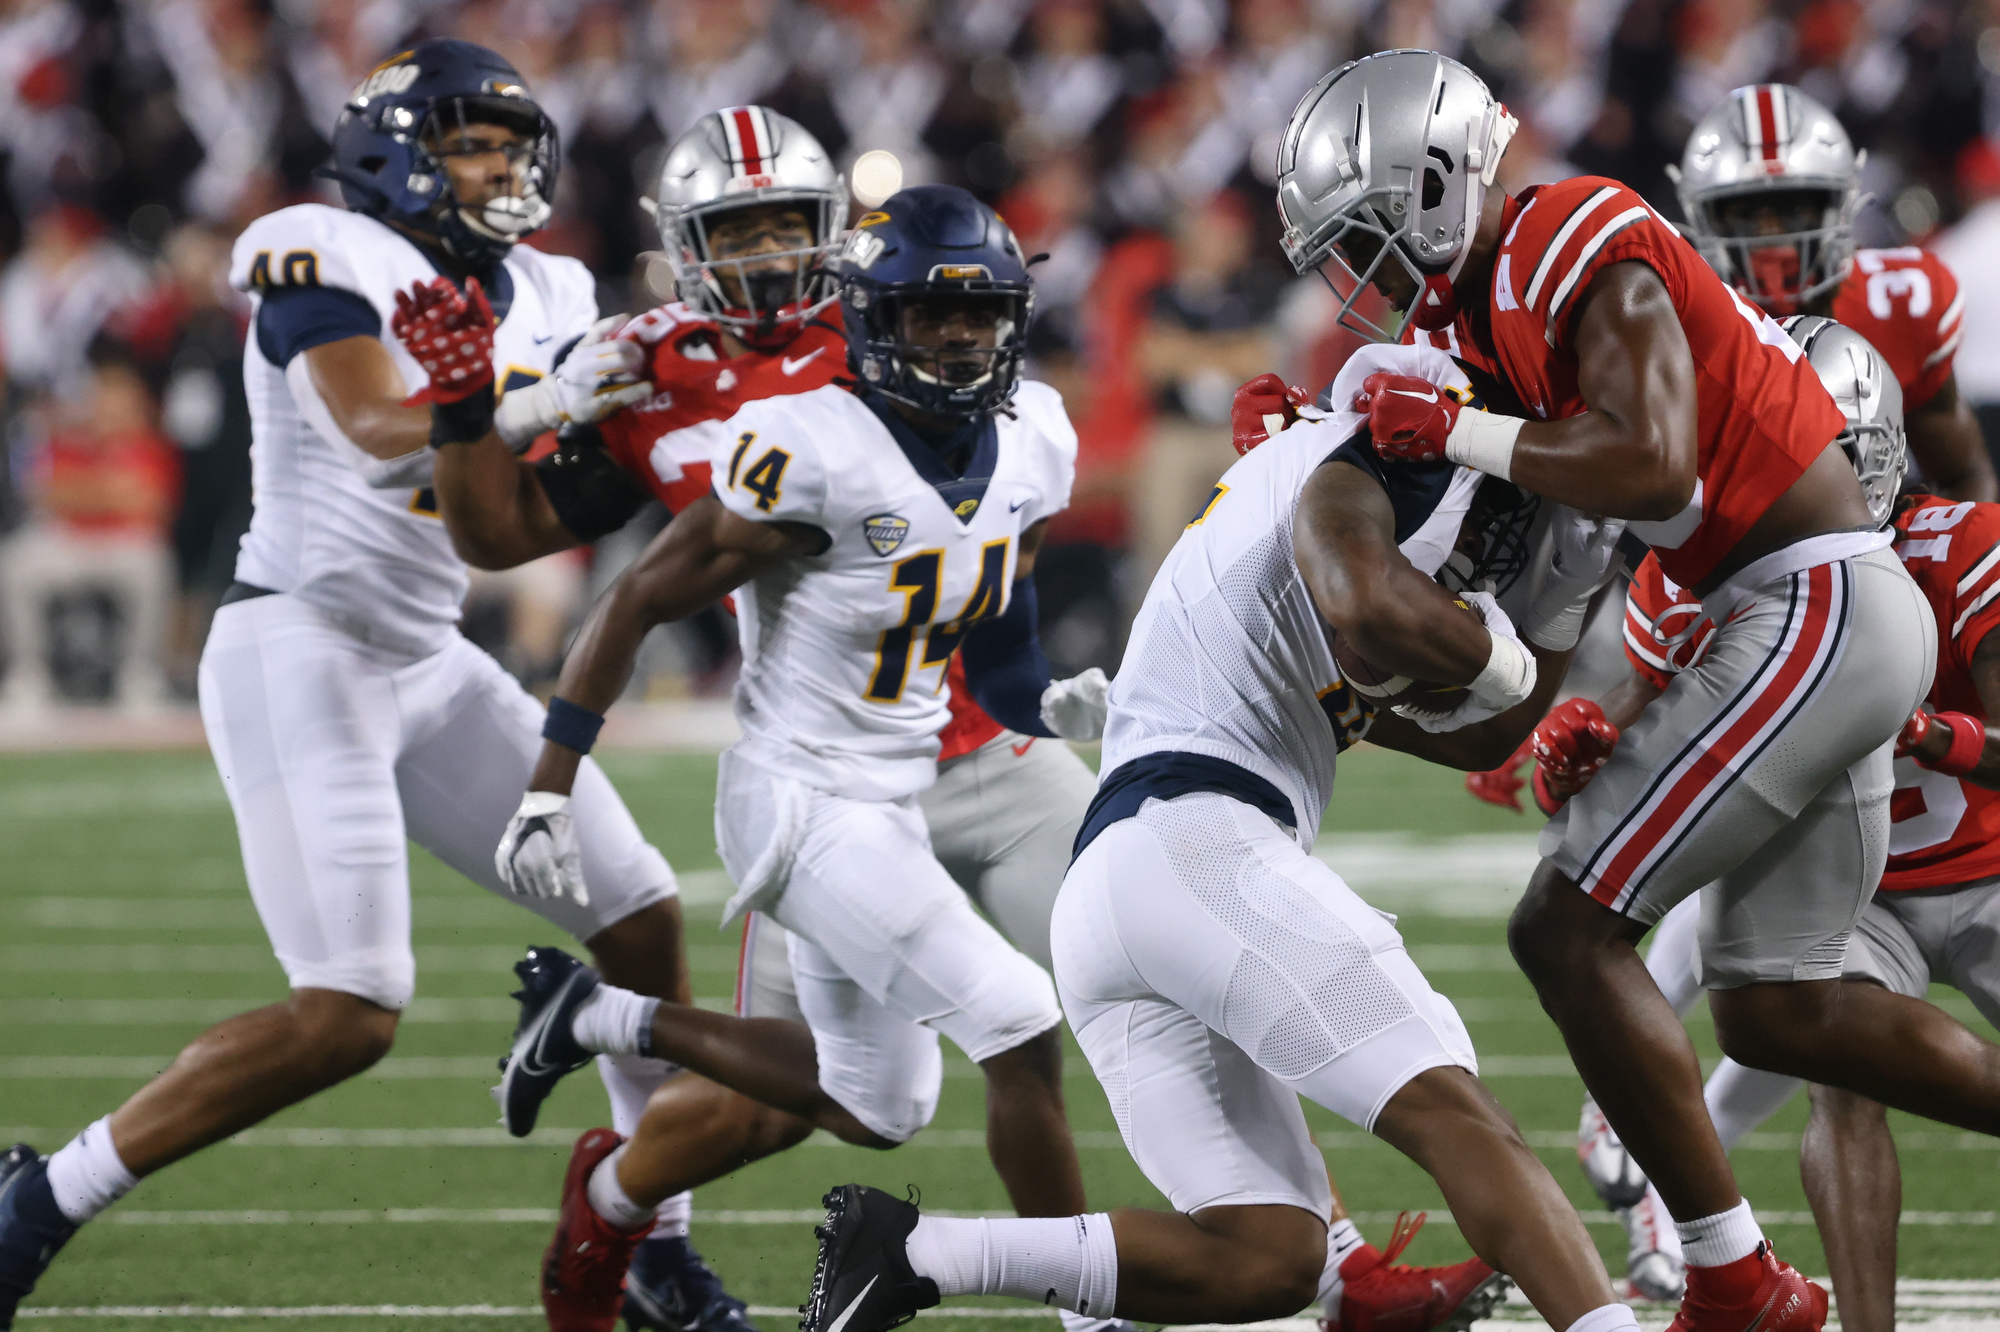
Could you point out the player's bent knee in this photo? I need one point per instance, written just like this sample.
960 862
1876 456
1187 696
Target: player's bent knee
1267 1263
339 1034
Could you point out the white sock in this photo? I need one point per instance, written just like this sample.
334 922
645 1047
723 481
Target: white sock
609 1200
1606 1318
671 1220
1725 1237
1342 1239
86 1174
1067 1261
630 1081
1739 1099
1675 957
614 1021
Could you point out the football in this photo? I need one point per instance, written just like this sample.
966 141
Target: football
1386 688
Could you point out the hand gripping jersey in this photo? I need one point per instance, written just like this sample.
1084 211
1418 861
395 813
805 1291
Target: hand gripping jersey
1228 658
1764 416
1908 305
667 440
845 652
375 558
1943 830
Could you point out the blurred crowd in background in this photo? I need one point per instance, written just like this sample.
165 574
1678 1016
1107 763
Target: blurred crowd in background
1133 141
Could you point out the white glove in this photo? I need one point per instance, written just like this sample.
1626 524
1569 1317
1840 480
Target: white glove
1508 679
1582 553
600 375
1075 708
538 856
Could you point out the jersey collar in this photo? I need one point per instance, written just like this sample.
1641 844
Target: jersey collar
960 491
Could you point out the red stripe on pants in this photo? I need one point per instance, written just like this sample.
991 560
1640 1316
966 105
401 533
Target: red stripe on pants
1711 762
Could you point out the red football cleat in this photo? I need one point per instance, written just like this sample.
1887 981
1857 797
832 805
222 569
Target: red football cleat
583 1272
1378 1296
1781 1300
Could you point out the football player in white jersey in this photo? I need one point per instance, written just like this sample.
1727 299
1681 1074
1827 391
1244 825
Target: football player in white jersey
1213 971
868 529
345 711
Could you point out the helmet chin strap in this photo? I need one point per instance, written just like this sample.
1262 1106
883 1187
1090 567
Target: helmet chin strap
509 217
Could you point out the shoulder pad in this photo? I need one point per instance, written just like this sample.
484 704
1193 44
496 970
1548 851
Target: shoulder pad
306 245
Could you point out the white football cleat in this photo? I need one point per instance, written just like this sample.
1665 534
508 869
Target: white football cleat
1653 1262
1612 1172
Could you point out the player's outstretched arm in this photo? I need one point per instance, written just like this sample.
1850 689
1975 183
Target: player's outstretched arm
1945 437
363 390
706 553
494 506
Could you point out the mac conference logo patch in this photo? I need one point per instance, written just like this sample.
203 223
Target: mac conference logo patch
885 531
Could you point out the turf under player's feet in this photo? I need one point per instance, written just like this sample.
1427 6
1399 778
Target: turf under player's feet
1758 1292
670 1289
863 1281
583 1271
553 986
32 1227
1654 1267
1612 1172
1378 1295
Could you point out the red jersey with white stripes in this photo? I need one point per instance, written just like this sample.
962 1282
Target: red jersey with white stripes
1906 303
668 439
1943 830
1763 415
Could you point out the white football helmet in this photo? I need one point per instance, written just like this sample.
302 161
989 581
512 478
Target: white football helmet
1769 149
1391 154
750 157
1865 389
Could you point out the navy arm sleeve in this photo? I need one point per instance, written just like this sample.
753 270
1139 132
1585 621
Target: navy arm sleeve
296 319
1005 666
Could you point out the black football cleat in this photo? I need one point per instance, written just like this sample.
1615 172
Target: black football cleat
32 1227
669 1288
553 986
863 1281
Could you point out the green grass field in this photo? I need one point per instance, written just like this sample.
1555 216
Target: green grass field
128 929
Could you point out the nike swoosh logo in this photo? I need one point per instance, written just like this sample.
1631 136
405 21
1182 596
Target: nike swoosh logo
1420 397
852 1305
792 367
1021 749
1016 506
550 338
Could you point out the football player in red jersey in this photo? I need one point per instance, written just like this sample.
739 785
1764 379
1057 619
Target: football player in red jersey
1770 184
1651 391
1936 915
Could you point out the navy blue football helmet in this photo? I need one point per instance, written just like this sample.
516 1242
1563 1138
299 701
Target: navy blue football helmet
924 244
398 125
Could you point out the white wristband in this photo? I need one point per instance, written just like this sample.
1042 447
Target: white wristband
1484 442
1509 676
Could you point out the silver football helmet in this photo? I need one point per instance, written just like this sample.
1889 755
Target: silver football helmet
1770 184
750 157
1391 154
1865 389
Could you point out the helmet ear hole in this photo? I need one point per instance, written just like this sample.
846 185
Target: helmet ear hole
1433 189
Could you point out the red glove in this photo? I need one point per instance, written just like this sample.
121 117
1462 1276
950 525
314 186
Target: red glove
1967 740
1570 745
1408 417
1263 407
451 336
1502 785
